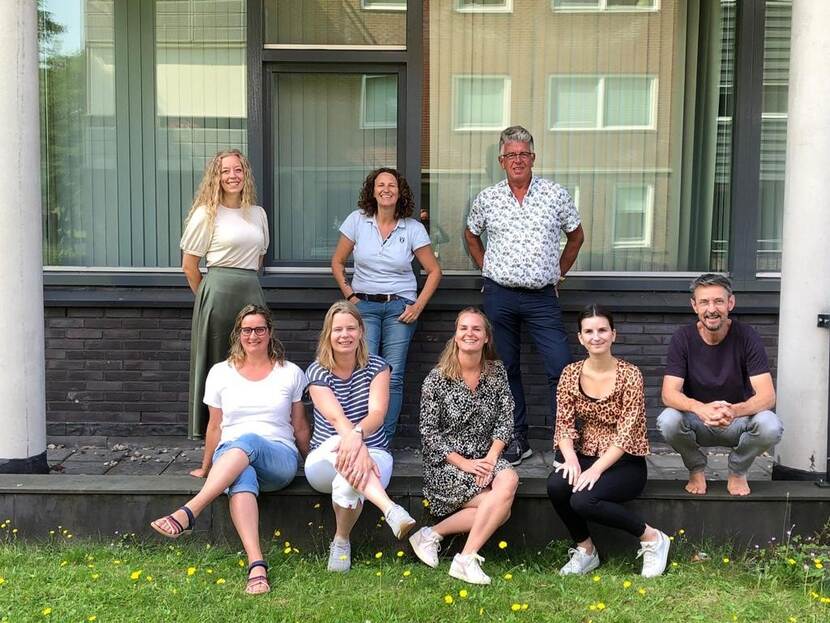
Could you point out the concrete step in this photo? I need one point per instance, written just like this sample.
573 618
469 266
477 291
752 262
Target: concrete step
106 506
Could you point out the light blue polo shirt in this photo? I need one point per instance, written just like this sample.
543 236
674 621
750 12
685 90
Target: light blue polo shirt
384 266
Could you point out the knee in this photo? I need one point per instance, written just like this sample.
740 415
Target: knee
669 423
768 427
558 487
583 503
506 484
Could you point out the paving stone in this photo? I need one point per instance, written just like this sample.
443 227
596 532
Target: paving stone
138 468
90 468
58 455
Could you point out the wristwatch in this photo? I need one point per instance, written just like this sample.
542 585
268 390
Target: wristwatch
359 430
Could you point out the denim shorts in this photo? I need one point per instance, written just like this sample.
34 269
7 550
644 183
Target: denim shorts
273 464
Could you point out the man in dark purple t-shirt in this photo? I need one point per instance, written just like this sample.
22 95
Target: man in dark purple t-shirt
718 389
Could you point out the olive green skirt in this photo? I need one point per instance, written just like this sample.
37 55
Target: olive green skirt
220 296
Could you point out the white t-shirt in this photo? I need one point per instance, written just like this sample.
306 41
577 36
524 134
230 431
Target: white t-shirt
239 237
259 407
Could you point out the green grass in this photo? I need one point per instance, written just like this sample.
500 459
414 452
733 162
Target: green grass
128 580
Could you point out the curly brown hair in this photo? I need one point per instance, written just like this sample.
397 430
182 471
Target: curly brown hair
369 205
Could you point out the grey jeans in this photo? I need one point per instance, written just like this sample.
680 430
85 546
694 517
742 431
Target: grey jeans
749 437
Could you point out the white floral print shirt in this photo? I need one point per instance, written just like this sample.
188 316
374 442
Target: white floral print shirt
523 239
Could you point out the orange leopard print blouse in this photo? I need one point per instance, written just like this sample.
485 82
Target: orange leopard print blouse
618 419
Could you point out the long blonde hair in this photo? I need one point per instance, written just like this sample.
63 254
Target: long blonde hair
236 354
325 354
448 364
209 194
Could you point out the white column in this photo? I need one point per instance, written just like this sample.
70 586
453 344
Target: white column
805 272
22 396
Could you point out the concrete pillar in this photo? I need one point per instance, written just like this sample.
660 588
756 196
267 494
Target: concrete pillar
805 273
22 396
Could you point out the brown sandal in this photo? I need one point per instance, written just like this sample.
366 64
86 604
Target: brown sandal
257 585
173 529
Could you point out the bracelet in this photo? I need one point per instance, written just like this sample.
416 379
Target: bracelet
349 298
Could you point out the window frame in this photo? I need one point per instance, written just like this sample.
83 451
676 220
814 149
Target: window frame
367 5
647 239
506 103
363 123
602 7
600 104
505 7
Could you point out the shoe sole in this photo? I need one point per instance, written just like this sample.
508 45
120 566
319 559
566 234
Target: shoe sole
416 549
526 454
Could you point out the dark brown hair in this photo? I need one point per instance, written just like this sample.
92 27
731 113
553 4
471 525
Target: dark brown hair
369 205
594 311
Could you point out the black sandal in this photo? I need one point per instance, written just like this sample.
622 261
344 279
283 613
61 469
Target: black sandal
257 585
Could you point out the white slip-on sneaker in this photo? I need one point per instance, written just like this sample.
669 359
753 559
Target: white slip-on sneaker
426 543
340 556
655 554
581 562
400 522
466 567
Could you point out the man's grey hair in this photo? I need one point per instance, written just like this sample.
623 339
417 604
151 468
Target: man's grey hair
515 134
711 279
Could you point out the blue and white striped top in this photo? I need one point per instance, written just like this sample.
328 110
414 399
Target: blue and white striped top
352 394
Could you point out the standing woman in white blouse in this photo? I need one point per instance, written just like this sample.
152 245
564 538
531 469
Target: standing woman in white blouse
231 233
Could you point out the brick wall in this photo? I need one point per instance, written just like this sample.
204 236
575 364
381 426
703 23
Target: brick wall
123 371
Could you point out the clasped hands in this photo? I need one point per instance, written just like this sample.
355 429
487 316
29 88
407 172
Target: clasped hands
483 469
579 480
354 462
717 414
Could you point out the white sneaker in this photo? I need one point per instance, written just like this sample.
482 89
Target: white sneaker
340 556
581 562
655 554
399 521
466 567
426 543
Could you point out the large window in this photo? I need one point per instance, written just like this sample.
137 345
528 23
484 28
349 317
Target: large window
135 97
602 102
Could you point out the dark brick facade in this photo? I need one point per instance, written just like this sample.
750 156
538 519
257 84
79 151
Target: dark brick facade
123 371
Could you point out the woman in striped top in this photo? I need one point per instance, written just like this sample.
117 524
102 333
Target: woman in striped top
349 455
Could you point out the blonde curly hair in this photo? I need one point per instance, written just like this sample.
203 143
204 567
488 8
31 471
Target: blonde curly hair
209 194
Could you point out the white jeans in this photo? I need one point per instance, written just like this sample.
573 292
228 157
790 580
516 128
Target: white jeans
321 475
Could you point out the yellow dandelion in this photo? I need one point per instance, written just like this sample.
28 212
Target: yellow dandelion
734 617
600 606
287 544
91 617
825 600
515 607
525 606
2 580
627 584
502 544
64 563
592 607
425 503
149 578
135 575
463 593
116 562
295 550
277 533
790 561
317 505
814 595
287 550
208 570
51 533
481 612
399 554
725 560
95 576
792 620
681 531
448 599
642 591
508 576
377 573
68 536
220 580
379 555
674 563
671 538
191 571
407 573
15 531
819 565
596 578
46 612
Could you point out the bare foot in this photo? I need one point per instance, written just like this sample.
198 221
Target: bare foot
737 485
697 483
199 472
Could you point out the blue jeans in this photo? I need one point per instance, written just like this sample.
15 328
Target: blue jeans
507 309
273 464
389 337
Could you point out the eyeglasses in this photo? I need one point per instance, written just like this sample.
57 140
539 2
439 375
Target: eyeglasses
260 331
520 155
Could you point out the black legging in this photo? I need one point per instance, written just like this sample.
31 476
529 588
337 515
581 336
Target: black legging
621 482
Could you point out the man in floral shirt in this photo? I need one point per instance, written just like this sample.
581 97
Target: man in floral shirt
523 217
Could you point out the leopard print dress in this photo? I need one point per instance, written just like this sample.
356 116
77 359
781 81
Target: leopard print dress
457 419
